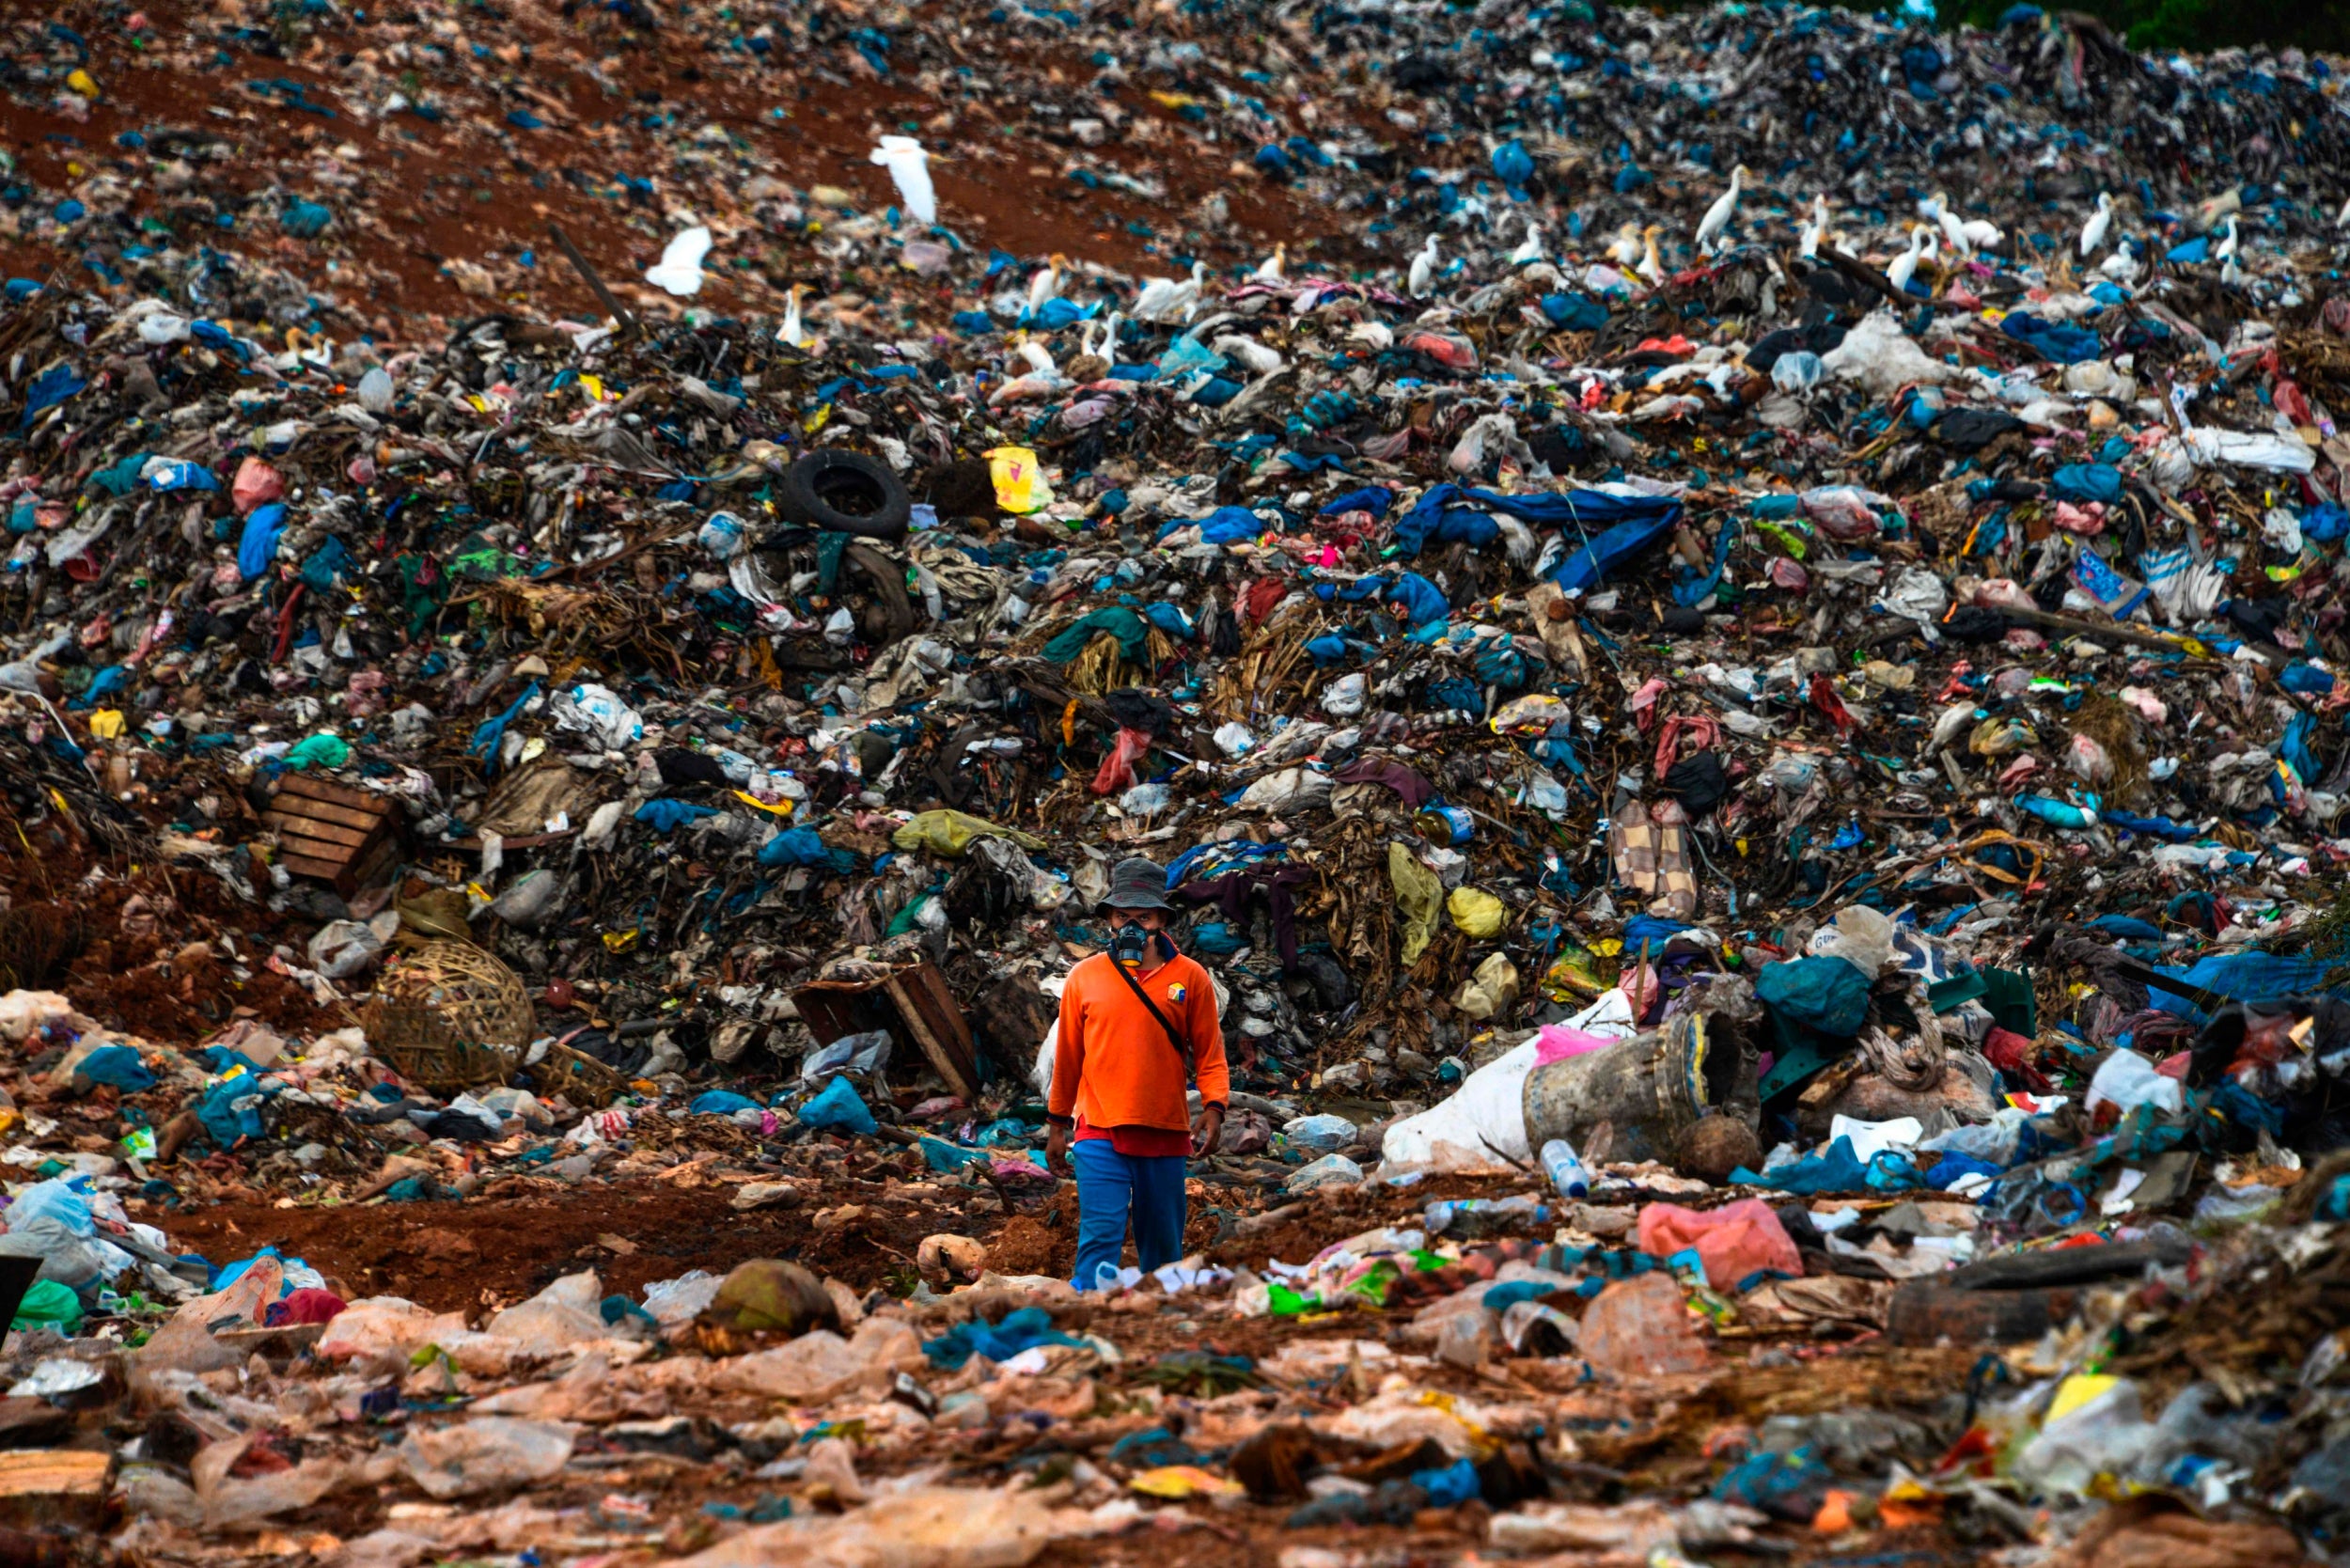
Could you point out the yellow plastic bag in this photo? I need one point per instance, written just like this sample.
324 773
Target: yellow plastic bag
1418 895
1491 990
1479 914
950 832
105 723
1020 485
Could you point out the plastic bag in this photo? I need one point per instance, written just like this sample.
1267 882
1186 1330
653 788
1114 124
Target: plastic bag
1116 771
597 711
48 1304
2126 1080
566 1313
950 833
1861 936
722 534
1417 896
488 1454
344 947
1479 914
1019 480
1641 1328
839 1108
867 1051
1734 1241
1324 1133
1491 990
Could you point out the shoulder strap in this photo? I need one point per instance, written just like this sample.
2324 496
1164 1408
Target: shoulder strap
1174 1036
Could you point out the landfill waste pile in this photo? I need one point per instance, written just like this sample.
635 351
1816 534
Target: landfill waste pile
1724 627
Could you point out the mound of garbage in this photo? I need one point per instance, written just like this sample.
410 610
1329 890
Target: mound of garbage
1723 625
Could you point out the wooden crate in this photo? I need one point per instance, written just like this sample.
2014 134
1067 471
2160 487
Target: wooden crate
914 1004
330 832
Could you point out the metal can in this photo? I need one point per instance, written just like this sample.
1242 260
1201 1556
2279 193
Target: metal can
1449 823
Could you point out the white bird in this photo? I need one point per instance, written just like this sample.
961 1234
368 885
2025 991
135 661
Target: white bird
680 268
1039 357
1982 234
1529 248
1652 264
1154 298
2100 223
1046 285
1938 208
1104 347
2231 274
2122 265
1625 250
1718 215
791 332
1274 268
1904 266
1260 358
2227 251
1162 297
1816 230
1423 269
909 166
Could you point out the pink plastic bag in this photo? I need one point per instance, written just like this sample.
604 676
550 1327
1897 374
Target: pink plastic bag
1118 768
1557 1043
1733 1241
257 483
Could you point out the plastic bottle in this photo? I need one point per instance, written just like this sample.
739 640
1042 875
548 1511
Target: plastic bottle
1484 1217
1564 1167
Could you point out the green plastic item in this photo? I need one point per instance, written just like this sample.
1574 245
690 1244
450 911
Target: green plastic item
1287 1302
49 1304
1945 994
319 750
2007 996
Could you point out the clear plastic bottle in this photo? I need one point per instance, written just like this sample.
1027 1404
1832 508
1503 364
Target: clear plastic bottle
1568 1175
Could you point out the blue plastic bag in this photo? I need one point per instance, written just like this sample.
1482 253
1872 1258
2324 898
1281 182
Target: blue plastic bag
116 1067
839 1108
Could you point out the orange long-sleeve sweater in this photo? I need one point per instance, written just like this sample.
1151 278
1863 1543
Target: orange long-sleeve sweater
1114 1065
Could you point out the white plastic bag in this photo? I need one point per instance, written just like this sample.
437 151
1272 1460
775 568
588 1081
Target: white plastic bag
2126 1080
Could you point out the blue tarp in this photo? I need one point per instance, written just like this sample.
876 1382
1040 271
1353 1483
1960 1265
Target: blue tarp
2248 977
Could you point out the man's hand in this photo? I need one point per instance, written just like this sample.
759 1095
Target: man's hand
1057 1148
1211 1132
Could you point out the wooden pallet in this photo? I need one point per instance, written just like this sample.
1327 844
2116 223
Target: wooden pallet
330 832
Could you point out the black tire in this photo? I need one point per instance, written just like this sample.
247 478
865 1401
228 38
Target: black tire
845 493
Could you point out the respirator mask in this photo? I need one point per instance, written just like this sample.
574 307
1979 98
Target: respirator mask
1131 943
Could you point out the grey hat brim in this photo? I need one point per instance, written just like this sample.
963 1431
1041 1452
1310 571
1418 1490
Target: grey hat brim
1134 899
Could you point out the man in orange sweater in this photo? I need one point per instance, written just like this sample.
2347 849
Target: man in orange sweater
1136 1023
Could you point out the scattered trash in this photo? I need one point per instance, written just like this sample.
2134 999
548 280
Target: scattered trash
1746 730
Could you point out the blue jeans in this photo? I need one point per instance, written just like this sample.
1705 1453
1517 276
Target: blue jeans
1112 1186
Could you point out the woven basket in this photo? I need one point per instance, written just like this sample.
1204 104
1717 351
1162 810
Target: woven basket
449 1017
578 1076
